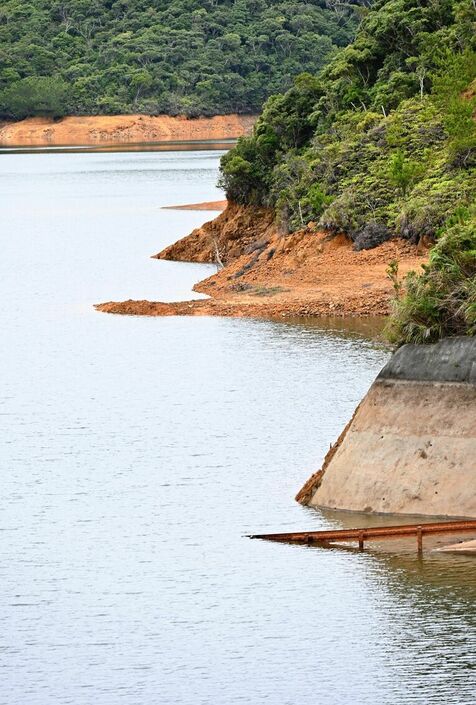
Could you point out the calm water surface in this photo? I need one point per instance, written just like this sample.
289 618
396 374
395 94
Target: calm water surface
136 454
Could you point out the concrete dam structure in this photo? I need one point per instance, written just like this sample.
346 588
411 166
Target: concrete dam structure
410 447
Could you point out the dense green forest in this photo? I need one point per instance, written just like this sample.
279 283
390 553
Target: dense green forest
381 144
193 57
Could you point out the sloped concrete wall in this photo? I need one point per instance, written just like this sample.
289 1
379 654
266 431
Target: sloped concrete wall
411 445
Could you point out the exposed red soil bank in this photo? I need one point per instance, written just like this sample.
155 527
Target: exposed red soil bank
122 129
268 274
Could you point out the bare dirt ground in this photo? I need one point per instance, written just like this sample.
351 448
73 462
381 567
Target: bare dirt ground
267 274
121 129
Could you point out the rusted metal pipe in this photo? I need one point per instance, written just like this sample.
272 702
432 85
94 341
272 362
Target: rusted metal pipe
373 533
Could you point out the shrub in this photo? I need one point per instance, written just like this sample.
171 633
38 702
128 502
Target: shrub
441 301
403 172
315 200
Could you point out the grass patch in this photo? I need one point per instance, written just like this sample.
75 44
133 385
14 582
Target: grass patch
268 290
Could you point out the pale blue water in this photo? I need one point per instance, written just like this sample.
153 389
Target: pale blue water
136 454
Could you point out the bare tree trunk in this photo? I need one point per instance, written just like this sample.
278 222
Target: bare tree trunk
300 213
421 73
218 259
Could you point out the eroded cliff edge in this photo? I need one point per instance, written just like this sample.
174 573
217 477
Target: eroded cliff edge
410 447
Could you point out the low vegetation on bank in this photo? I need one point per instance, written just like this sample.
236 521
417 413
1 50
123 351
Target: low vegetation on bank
189 57
441 301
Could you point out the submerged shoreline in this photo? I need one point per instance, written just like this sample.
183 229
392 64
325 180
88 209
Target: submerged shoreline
263 273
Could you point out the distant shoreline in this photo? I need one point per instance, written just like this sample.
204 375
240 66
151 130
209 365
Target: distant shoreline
98 130
205 206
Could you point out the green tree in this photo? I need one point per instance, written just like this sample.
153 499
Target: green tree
40 95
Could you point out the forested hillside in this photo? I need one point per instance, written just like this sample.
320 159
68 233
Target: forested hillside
381 144
193 57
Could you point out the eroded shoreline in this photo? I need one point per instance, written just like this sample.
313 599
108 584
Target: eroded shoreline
266 274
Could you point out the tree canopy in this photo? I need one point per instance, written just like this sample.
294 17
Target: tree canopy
192 57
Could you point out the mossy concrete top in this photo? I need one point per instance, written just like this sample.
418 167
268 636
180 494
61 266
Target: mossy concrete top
449 360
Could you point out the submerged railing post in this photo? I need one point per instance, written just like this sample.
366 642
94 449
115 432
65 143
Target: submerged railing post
361 541
420 540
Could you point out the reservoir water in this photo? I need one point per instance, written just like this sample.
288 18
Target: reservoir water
137 453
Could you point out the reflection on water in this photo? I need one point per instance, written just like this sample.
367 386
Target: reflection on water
170 146
138 453
368 328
